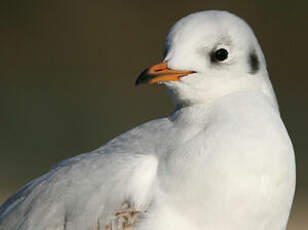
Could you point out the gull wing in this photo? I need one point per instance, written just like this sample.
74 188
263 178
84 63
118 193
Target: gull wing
86 191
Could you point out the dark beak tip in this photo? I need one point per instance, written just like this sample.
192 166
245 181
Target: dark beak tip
143 78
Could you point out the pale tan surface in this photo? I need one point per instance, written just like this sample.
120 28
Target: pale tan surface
124 219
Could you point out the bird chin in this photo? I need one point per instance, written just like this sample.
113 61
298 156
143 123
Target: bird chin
177 92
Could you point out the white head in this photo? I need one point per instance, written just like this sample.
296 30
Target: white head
208 55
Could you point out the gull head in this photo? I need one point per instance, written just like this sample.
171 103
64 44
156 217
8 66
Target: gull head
208 55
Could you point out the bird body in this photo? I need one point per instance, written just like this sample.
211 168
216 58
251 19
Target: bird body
222 160
229 181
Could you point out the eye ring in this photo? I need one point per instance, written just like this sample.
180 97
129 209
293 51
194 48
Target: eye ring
219 55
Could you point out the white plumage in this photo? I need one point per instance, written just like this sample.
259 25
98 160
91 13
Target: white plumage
222 161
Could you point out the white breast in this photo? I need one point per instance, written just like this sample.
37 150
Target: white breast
236 173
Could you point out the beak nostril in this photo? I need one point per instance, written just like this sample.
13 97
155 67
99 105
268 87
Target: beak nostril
158 69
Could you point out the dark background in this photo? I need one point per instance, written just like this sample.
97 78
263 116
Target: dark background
67 72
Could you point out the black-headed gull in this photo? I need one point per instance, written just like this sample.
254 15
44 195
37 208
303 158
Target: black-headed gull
222 160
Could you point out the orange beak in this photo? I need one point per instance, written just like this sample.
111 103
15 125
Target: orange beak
160 73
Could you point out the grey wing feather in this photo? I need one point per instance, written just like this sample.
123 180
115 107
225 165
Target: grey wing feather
86 190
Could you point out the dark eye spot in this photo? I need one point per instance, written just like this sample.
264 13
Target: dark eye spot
219 55
254 62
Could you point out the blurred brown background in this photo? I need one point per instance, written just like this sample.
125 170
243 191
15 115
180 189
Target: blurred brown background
67 72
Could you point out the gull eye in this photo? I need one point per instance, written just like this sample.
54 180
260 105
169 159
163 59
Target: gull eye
219 55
